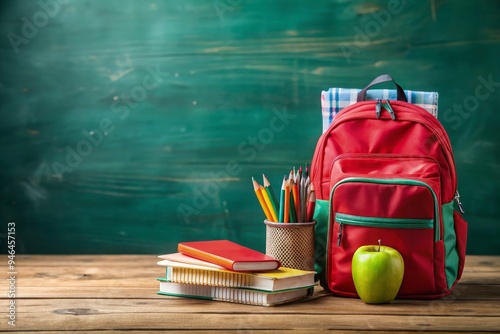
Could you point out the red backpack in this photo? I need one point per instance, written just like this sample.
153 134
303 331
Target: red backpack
387 170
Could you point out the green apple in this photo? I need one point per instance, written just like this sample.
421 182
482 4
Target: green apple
377 272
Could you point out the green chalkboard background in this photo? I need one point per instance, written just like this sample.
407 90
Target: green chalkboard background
172 106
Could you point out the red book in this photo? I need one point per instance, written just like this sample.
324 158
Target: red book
229 255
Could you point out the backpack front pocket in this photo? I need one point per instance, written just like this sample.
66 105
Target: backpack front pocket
402 213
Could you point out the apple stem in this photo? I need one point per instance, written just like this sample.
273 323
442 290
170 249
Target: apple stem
379 241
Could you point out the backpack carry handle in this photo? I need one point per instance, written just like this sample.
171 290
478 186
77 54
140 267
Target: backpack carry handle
380 79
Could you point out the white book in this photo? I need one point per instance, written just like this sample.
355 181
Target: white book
233 295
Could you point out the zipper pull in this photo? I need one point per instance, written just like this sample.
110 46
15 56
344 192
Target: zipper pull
378 108
388 107
457 199
339 236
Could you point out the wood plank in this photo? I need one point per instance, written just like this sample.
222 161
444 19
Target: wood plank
481 269
109 260
326 305
103 292
480 277
461 292
474 263
139 276
129 321
242 331
103 271
96 274
482 263
107 270
150 282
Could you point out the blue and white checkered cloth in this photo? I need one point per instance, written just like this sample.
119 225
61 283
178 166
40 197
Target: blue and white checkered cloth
335 99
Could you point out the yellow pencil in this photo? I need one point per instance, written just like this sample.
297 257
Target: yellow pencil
262 202
272 197
268 203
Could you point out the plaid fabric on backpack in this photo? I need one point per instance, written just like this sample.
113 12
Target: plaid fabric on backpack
334 100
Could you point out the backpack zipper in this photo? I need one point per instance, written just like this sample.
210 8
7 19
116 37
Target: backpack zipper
459 203
383 222
342 219
378 108
339 235
387 106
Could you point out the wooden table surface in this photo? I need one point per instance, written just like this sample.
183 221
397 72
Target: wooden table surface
102 293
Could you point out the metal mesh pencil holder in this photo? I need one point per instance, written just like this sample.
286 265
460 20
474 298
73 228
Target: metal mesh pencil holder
291 243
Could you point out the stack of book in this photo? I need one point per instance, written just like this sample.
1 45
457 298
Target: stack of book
225 271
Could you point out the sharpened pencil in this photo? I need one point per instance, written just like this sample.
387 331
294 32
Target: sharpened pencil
293 212
286 218
262 202
282 202
296 201
311 204
303 200
265 195
272 197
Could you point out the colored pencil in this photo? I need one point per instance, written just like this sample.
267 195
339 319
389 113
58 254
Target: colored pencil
293 212
265 195
303 200
262 202
282 202
286 218
296 200
311 204
271 195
